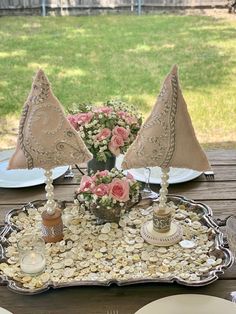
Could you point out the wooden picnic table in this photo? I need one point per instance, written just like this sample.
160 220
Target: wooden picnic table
220 195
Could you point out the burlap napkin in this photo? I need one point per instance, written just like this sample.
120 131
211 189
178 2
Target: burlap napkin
167 137
46 139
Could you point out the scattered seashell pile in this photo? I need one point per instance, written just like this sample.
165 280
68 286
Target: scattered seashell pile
91 252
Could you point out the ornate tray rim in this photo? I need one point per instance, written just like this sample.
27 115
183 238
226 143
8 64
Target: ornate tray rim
8 227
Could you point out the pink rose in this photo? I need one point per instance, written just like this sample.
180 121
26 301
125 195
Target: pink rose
114 150
117 141
119 190
129 119
73 121
103 134
105 110
100 174
101 189
83 118
120 131
103 173
85 184
121 114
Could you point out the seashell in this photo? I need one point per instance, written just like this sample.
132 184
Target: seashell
187 244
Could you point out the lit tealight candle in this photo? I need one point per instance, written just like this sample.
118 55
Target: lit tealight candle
32 262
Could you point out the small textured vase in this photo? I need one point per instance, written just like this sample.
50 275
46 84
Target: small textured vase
95 165
104 214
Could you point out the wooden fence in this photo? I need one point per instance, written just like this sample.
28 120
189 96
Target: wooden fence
14 7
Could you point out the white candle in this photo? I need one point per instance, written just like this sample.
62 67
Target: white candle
32 262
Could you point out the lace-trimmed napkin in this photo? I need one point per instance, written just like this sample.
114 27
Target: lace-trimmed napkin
46 139
167 138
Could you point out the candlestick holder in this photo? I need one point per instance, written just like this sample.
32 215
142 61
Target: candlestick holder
32 254
52 225
162 231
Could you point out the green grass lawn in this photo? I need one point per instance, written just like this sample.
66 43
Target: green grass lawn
93 59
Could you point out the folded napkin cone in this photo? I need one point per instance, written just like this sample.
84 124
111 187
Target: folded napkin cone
167 138
46 139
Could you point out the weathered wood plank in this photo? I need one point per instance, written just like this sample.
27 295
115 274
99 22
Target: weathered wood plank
193 190
222 157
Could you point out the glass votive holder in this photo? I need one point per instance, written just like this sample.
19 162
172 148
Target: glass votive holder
231 234
32 254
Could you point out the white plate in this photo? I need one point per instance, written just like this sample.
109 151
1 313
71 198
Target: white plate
23 177
177 175
189 304
4 311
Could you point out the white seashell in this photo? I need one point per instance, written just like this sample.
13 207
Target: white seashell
187 244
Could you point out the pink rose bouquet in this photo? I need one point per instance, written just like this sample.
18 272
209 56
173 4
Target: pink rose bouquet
108 190
108 129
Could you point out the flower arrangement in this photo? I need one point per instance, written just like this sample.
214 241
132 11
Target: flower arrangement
107 130
107 193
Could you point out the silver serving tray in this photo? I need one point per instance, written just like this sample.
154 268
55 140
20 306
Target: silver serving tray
219 249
